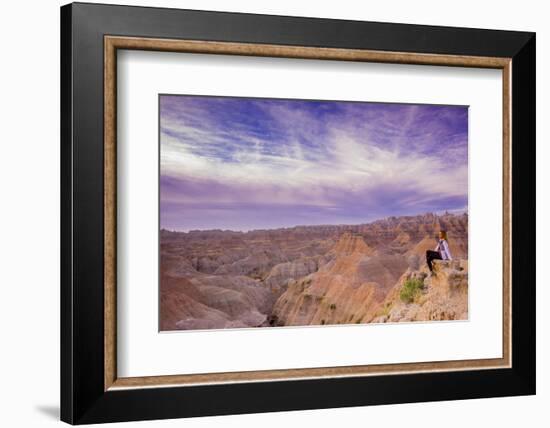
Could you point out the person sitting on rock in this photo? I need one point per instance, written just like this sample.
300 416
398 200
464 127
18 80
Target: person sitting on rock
441 252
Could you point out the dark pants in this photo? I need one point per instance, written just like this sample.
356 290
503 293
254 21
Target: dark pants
430 256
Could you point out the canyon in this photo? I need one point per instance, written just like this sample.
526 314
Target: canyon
313 275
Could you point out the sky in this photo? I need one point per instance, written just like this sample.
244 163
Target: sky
250 163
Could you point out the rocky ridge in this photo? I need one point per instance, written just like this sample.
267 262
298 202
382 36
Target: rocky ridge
443 296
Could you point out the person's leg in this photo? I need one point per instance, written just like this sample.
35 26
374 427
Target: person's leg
430 256
429 259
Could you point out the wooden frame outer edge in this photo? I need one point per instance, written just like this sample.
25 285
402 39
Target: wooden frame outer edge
507 213
301 52
109 197
112 43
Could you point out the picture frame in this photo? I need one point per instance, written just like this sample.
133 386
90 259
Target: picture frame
91 36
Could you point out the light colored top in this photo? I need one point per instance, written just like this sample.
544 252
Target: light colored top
443 249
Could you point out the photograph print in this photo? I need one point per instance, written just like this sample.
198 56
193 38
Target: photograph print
287 212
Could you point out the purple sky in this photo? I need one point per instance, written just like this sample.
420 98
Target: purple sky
245 163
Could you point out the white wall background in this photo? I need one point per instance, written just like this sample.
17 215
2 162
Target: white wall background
29 214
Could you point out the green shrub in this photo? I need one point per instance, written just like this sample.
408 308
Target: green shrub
411 289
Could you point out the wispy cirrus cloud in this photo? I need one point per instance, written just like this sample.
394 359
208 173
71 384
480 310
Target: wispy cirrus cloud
237 163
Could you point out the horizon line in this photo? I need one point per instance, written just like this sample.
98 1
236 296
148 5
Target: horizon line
446 212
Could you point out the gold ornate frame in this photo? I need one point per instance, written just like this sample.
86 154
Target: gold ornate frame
113 43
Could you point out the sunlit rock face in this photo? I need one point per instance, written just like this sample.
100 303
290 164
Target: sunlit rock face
345 290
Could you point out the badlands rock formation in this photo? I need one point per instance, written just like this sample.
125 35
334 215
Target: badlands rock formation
345 290
444 295
306 275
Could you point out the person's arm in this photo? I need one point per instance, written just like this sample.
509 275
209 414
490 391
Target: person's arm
437 247
447 251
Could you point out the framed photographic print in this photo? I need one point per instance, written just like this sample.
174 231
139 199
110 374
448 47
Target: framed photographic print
265 213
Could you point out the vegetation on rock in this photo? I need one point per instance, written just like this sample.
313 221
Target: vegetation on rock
411 290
